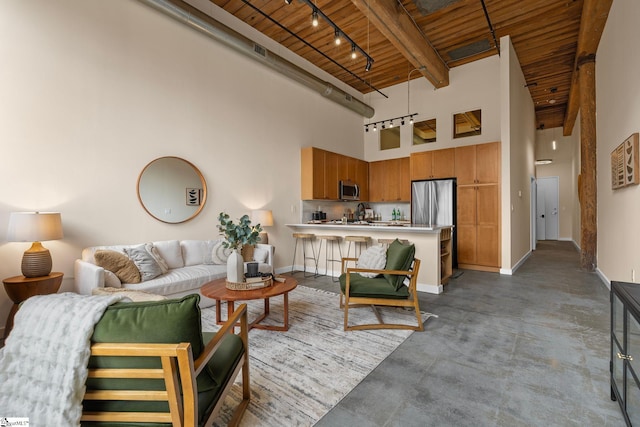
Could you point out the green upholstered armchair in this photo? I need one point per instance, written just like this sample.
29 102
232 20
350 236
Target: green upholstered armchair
386 289
151 364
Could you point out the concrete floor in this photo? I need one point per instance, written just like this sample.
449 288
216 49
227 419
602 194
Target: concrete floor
530 349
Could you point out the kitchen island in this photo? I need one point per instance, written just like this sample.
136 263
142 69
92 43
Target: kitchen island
433 246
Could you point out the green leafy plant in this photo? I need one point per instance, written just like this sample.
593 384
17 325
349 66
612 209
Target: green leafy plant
237 235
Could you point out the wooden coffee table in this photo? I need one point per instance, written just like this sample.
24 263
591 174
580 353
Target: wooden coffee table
218 291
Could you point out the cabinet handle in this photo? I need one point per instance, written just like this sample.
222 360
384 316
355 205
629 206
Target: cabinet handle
625 357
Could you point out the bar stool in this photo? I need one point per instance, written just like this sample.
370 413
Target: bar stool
330 244
387 242
305 237
358 241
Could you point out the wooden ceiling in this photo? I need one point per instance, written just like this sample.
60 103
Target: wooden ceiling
404 35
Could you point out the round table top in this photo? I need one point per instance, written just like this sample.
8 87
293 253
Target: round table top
22 280
217 290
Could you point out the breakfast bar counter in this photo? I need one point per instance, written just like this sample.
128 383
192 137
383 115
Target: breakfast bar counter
433 245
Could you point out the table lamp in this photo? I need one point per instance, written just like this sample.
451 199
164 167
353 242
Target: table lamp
35 227
264 217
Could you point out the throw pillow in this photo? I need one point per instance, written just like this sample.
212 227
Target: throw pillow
260 255
220 254
153 251
374 258
147 266
208 252
399 257
119 264
111 280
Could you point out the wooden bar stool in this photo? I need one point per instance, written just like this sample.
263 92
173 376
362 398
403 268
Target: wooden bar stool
307 238
358 241
330 243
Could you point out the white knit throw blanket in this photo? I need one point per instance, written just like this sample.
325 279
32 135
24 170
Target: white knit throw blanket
43 366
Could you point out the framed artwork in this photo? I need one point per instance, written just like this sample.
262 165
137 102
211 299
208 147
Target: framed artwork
624 163
193 197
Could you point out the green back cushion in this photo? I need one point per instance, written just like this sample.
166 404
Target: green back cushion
399 257
166 321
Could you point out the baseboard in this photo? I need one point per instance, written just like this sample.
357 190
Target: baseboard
510 271
604 278
430 289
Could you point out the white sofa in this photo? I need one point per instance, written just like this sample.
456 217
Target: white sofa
190 263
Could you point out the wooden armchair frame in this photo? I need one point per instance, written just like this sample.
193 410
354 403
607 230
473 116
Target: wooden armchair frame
352 301
179 372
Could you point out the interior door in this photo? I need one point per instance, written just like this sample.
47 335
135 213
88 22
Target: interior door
547 209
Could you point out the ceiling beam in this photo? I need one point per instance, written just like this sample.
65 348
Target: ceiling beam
592 22
398 27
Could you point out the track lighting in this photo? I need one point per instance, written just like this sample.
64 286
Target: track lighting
288 1
316 14
383 123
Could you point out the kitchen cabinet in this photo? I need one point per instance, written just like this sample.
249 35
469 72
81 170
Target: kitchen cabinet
624 365
432 164
478 226
477 164
478 205
321 172
389 180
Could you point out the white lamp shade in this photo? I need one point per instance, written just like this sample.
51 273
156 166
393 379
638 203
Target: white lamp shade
264 217
34 227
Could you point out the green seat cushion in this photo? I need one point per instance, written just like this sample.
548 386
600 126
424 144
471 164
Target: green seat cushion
167 321
399 257
377 287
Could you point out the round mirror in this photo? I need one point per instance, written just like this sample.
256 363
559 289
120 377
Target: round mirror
172 190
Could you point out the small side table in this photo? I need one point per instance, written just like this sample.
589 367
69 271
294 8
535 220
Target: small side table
19 288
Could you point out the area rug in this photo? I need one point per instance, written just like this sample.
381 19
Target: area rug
297 376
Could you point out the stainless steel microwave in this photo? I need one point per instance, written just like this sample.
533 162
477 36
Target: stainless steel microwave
349 191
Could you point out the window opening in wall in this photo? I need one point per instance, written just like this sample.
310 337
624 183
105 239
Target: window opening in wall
424 132
468 123
390 138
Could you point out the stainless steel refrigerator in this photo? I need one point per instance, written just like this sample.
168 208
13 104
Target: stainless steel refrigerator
433 202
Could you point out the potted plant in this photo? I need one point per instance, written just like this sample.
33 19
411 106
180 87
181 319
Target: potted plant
236 236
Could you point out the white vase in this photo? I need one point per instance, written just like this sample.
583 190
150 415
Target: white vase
235 267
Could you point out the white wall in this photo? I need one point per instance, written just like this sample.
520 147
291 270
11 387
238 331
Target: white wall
518 135
93 91
472 86
618 116
566 160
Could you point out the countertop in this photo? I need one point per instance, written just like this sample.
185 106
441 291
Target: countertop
382 227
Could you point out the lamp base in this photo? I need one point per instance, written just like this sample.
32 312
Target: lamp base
264 237
36 261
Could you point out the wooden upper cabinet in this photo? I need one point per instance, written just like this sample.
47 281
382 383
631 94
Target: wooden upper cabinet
389 180
421 165
488 163
321 172
312 184
443 163
433 164
331 175
465 161
478 164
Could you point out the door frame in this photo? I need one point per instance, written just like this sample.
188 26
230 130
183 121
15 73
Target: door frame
534 213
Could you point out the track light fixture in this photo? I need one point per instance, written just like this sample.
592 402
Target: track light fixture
339 34
383 123
288 1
